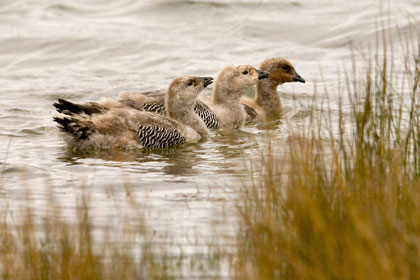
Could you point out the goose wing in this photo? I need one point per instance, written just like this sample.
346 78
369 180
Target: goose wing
205 113
157 131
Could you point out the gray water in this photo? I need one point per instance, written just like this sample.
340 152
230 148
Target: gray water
86 50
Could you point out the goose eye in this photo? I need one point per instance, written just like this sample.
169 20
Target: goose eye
245 72
190 83
286 68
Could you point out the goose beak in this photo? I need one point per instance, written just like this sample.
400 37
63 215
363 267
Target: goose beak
298 78
206 80
262 75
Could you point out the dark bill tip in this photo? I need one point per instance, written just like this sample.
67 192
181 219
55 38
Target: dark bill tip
262 75
206 80
298 78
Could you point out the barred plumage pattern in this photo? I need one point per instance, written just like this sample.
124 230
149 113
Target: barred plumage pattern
154 107
208 117
159 137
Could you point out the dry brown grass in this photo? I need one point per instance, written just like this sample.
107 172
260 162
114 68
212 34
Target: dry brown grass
343 208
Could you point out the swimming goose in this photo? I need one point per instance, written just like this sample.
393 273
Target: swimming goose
267 103
124 127
229 87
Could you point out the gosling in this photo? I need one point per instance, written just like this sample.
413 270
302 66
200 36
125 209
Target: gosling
231 84
123 127
267 103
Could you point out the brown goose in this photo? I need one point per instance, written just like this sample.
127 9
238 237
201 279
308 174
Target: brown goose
267 103
93 126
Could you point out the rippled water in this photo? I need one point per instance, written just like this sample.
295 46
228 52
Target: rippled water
85 50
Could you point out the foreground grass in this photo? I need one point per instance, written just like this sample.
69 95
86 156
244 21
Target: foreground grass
53 246
342 208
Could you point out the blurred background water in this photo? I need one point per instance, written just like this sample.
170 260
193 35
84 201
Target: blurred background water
86 50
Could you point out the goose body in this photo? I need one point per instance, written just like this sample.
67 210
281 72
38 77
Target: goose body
94 126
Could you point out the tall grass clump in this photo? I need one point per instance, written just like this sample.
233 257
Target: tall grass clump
344 206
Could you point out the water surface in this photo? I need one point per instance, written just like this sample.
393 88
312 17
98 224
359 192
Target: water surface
86 50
